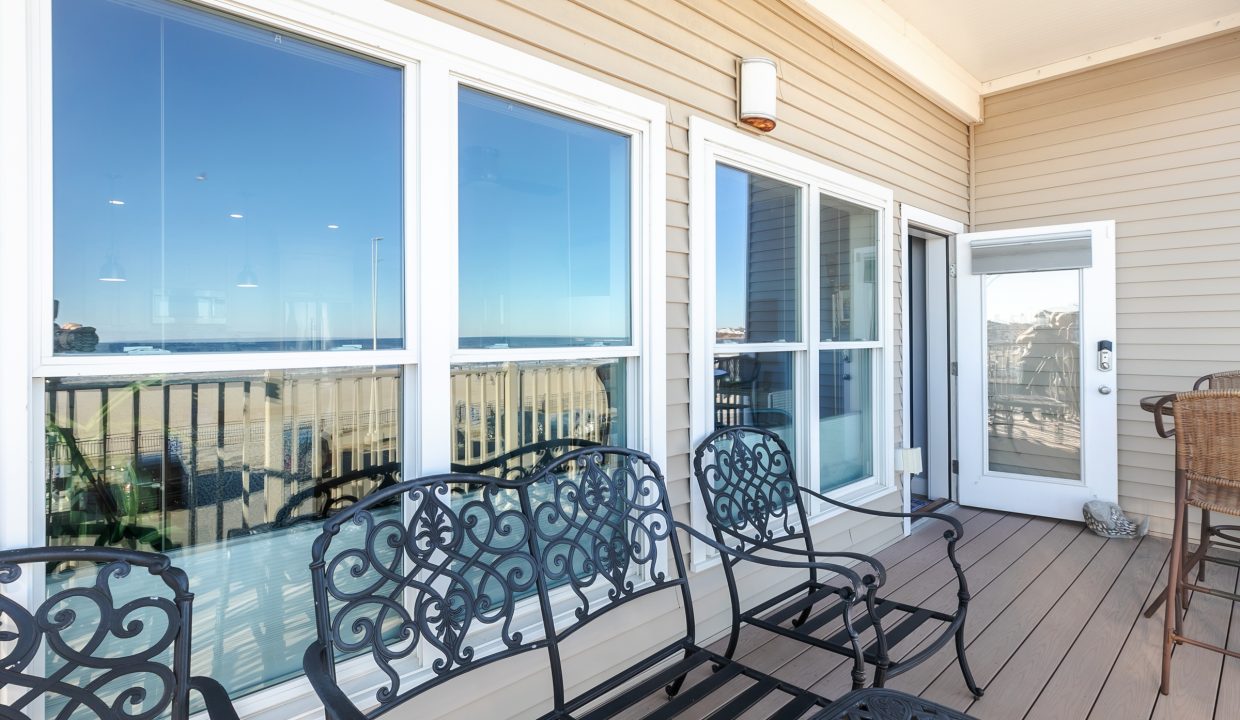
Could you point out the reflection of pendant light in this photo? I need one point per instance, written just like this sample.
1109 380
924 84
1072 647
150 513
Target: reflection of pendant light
247 278
111 270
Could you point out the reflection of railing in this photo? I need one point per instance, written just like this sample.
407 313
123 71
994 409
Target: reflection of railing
227 453
497 407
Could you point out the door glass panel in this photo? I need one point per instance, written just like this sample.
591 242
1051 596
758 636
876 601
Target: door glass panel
757 224
1033 373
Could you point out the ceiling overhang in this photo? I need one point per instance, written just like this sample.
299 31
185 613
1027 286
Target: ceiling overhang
880 33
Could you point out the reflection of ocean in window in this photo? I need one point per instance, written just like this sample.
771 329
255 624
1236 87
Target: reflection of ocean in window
212 178
544 233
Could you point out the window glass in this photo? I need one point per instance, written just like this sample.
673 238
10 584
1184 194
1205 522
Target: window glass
220 186
220 471
544 228
848 237
757 389
511 417
845 417
757 271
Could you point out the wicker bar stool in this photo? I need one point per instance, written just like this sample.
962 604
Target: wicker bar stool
1207 476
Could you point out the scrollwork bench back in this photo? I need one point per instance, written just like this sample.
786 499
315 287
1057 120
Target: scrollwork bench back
467 578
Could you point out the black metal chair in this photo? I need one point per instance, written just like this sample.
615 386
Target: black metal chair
107 647
755 504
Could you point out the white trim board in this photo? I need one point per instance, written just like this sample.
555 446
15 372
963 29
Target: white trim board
877 31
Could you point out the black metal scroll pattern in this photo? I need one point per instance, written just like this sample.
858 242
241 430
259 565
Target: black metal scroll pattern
83 628
458 565
600 517
746 479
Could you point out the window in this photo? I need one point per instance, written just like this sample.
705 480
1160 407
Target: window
231 191
790 331
220 186
259 299
544 248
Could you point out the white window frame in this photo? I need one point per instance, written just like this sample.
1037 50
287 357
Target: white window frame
434 56
709 145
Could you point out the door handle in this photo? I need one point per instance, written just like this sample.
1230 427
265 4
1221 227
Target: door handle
1104 389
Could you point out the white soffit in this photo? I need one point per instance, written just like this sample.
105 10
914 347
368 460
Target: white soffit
949 48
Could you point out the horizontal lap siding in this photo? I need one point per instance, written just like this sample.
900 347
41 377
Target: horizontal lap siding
835 106
1153 143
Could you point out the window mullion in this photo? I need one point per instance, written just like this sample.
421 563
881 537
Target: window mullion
813 309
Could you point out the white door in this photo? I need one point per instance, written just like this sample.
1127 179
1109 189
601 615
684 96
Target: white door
1035 346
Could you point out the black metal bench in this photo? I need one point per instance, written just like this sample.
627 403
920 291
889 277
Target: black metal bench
113 643
755 504
517 566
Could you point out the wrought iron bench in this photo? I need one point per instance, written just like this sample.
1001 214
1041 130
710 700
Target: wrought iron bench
513 567
113 642
755 505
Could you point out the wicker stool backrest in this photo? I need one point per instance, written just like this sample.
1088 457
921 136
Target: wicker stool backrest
1207 448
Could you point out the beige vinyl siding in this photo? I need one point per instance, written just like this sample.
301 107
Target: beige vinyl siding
835 107
1153 143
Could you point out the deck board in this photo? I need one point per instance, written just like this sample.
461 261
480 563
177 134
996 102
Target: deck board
1054 628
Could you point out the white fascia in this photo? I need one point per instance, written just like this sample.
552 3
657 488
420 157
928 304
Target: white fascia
875 30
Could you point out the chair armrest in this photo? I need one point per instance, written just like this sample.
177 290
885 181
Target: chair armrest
337 705
845 572
880 570
953 522
1158 414
219 706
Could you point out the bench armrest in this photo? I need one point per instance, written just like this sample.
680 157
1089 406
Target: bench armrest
953 522
845 572
219 707
337 705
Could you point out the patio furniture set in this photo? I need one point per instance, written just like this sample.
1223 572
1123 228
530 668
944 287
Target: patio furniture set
486 567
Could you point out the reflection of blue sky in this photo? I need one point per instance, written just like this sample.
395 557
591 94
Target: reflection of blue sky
544 227
731 246
148 98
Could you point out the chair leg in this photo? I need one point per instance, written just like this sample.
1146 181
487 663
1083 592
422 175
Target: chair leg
1171 619
964 665
676 684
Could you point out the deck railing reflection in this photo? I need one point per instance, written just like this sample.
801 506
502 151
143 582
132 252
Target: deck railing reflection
197 460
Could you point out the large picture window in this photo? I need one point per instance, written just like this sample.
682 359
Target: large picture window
790 333
259 301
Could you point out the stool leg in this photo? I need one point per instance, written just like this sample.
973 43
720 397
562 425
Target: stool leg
1171 620
1205 543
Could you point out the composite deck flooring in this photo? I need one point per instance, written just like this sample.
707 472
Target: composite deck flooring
1054 629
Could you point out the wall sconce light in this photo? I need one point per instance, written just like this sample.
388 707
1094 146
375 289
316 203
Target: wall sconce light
759 87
